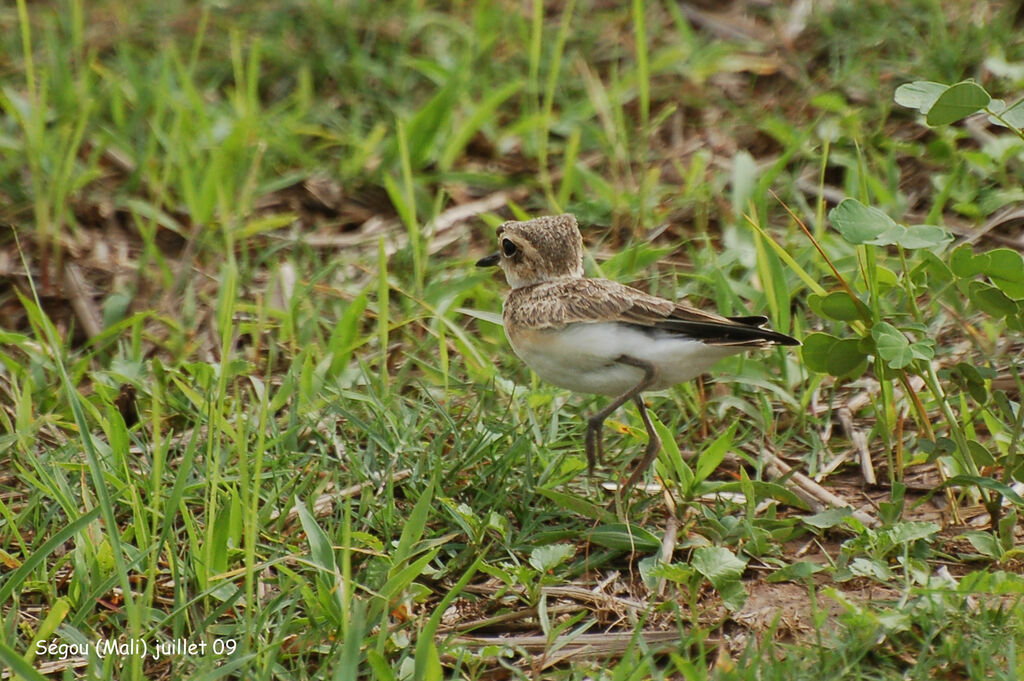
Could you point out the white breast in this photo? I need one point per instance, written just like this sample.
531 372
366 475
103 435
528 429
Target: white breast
582 357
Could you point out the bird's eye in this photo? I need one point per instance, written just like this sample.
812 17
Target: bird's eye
508 248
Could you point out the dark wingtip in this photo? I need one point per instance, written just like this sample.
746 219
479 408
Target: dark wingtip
758 321
752 320
721 333
776 338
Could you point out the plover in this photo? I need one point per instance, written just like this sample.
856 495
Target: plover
601 337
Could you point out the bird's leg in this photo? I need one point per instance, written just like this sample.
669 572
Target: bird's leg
593 441
653 445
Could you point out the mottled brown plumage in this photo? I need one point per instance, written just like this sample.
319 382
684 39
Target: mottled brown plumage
600 336
553 305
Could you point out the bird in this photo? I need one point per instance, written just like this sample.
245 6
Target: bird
599 336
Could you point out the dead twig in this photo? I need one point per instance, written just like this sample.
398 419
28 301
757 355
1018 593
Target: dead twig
814 494
860 444
324 504
579 646
81 302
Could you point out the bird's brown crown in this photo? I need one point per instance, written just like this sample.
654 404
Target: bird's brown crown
540 250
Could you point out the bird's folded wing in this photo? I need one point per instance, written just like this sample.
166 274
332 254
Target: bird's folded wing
556 304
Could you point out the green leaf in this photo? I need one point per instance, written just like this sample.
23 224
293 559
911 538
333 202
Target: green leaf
226 298
117 432
871 568
764 490
575 504
939 272
980 454
991 300
957 102
482 315
368 540
830 518
847 359
915 236
712 455
886 278
680 573
734 595
1014 116
826 354
969 378
545 558
432 670
911 531
1007 408
920 95
963 262
895 349
399 580
670 453
772 272
636 258
1005 267
859 224
1006 531
624 538
428 663
815 351
718 564
723 569
984 543
381 669
996 582
343 337
320 548
839 305
467 129
16 663
56 615
403 206
744 180
923 349
795 572
986 483
267 223
15 580
414 526
424 126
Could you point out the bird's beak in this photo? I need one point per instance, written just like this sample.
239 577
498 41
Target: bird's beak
489 261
